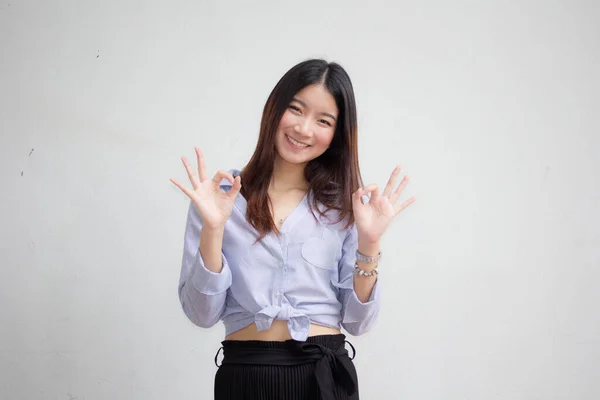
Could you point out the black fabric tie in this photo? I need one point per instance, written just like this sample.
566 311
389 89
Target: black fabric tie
331 367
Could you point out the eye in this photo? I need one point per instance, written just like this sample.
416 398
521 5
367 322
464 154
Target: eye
325 122
293 107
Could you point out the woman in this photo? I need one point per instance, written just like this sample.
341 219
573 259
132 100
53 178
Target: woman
285 251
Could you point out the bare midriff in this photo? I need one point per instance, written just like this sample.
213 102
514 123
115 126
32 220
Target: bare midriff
278 332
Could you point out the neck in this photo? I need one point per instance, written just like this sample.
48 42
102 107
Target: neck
288 176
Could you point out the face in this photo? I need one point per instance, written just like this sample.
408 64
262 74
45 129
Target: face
307 126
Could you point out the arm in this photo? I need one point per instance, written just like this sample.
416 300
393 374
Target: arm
363 285
205 274
372 217
359 295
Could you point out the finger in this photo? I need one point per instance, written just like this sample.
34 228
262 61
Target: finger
405 204
235 189
201 167
184 189
391 182
394 197
373 190
220 175
357 199
190 172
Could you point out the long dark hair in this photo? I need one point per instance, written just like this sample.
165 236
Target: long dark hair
334 175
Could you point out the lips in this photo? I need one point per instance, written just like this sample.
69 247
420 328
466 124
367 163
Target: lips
295 142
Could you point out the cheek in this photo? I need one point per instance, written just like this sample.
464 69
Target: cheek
286 120
325 137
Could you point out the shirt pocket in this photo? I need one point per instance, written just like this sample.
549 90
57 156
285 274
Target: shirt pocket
321 251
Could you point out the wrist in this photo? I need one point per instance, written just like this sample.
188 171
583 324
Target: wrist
368 259
212 231
367 270
369 249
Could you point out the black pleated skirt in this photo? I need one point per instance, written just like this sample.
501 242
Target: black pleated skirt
318 369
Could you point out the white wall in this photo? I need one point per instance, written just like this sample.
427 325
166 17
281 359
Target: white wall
491 279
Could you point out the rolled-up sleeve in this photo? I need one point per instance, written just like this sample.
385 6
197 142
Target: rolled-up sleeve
357 317
202 293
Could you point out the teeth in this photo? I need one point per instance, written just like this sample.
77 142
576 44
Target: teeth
296 142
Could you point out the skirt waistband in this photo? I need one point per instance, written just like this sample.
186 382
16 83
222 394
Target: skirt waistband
332 363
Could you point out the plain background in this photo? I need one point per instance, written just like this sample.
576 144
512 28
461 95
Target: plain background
491 279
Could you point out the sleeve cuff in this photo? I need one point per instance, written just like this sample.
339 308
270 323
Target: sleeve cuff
208 282
357 311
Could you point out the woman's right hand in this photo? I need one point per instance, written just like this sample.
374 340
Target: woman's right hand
212 203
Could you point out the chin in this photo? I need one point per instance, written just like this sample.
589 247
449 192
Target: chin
293 158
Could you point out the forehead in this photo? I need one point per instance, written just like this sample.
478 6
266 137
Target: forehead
318 98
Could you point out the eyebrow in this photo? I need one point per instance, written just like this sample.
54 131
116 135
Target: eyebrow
304 105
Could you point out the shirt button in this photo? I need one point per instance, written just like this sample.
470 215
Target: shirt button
281 263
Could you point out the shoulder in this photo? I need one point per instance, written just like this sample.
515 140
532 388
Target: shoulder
328 216
331 220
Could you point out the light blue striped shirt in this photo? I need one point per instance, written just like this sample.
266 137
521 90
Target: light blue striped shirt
303 276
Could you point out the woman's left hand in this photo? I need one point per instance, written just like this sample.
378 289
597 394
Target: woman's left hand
373 218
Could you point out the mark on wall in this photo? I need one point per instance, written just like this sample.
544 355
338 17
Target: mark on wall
29 156
546 173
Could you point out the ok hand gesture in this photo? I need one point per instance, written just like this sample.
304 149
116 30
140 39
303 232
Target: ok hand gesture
373 218
212 203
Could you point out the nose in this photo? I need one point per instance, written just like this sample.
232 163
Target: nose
303 127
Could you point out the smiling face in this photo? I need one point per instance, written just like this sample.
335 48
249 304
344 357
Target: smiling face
307 126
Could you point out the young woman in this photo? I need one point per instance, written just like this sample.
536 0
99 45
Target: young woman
285 251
